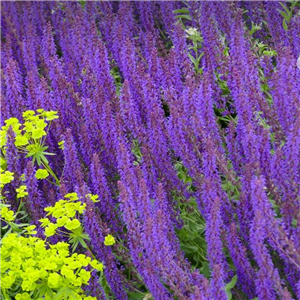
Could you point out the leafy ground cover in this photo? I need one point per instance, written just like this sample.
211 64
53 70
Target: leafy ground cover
150 150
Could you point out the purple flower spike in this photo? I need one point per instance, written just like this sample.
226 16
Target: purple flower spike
72 173
34 203
268 282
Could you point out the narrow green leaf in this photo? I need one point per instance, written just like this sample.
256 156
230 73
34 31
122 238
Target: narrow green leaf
205 270
187 17
229 286
181 11
285 8
192 58
285 16
284 25
83 243
232 283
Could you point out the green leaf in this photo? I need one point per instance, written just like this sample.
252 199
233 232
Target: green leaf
3 163
288 12
82 3
44 290
65 293
181 11
285 16
229 286
85 236
284 25
44 159
192 59
200 56
254 28
136 295
187 17
189 249
74 245
205 270
15 227
48 153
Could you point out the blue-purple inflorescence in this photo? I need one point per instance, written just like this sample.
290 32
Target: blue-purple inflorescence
133 104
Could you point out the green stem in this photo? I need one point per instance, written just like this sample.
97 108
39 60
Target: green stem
47 167
2 197
44 138
5 295
50 181
93 255
19 206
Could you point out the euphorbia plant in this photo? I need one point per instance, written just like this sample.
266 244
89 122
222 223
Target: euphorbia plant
30 138
33 268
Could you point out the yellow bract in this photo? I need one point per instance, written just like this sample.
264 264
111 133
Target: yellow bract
109 240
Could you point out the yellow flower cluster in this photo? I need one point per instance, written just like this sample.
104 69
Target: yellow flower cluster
65 212
44 270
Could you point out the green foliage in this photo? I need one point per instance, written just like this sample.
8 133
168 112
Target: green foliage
192 234
136 151
287 13
222 119
263 122
254 28
262 49
182 14
140 296
82 3
231 189
192 35
229 286
195 56
222 84
115 73
182 174
264 86
259 47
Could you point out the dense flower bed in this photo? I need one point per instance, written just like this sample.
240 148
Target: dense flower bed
184 119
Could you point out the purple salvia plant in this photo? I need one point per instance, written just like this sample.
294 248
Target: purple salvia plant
131 108
97 230
34 203
268 283
72 173
238 252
